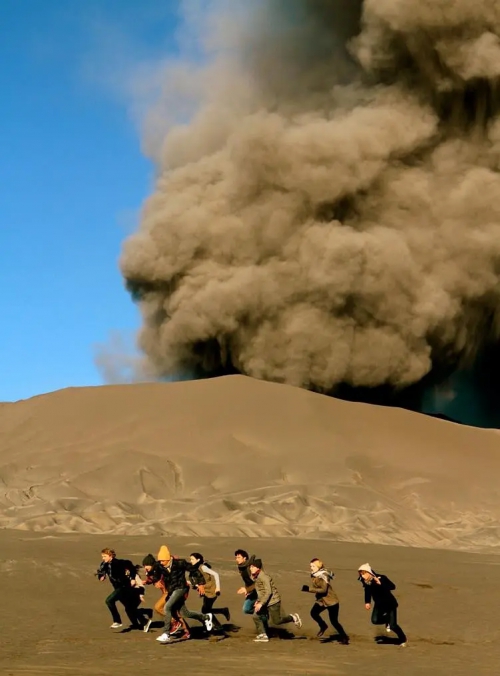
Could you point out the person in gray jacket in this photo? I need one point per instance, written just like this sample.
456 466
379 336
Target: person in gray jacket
268 606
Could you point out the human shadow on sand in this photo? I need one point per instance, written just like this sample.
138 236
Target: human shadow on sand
386 640
332 639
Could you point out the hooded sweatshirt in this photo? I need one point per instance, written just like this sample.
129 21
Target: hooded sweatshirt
380 594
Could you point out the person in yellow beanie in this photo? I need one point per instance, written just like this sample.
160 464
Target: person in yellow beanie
164 555
154 577
173 571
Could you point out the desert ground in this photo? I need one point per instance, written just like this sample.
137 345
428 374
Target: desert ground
55 621
233 462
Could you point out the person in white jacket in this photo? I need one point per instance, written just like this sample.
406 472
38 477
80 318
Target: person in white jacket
210 589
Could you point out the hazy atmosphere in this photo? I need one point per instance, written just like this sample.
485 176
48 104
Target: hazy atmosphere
321 211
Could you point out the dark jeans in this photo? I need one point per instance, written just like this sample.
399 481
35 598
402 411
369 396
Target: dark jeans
176 601
249 604
333 616
390 618
207 607
270 615
129 600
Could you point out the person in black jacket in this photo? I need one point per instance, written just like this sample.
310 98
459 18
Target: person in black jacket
173 572
378 589
121 573
243 561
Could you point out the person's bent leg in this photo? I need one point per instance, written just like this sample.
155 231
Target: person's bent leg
172 601
111 604
276 617
394 626
248 606
131 603
260 621
333 615
316 611
207 605
160 605
192 614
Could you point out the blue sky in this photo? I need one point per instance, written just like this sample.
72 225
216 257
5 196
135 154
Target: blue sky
72 179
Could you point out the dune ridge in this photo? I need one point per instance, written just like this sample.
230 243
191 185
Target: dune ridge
234 456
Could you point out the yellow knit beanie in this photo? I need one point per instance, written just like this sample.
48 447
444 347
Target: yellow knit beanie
164 554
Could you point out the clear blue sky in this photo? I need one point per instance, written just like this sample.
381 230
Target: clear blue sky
72 179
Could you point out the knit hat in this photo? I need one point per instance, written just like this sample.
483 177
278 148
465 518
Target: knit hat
149 560
164 554
257 563
366 568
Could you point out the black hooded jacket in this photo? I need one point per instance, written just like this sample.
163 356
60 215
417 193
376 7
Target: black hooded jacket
380 594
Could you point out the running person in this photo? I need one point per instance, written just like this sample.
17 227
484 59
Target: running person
210 590
267 609
378 588
121 573
326 599
243 562
173 572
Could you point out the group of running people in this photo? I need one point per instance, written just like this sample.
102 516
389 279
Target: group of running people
174 577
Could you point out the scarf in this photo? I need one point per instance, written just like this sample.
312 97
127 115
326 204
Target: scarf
324 574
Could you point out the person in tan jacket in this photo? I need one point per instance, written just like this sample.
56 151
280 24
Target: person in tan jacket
209 590
326 599
268 606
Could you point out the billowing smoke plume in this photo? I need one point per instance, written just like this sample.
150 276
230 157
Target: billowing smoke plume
331 213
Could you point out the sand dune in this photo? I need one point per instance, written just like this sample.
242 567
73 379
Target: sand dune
236 456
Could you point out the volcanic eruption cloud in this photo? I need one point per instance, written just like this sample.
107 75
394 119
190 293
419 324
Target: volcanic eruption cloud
330 212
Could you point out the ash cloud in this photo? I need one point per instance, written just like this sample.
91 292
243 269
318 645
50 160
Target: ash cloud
330 214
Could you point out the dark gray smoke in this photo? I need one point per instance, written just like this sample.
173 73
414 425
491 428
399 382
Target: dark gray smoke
331 213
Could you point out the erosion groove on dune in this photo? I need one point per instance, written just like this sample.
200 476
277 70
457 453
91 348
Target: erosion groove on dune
235 456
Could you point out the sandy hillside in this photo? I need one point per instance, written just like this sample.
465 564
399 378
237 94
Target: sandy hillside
56 622
236 456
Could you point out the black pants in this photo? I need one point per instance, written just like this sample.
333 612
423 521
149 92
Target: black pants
208 604
130 602
333 616
388 617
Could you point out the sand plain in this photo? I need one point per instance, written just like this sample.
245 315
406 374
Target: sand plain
55 621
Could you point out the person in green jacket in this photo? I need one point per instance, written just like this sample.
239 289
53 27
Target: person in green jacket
268 606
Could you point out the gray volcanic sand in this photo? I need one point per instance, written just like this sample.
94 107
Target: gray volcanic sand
55 621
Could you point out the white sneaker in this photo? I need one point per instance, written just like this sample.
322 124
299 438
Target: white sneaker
146 626
164 638
403 645
209 622
261 638
388 628
116 625
296 620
